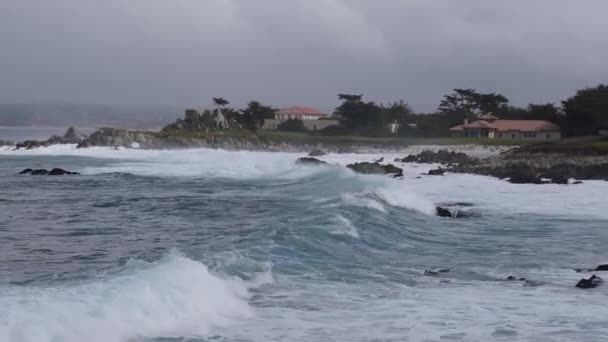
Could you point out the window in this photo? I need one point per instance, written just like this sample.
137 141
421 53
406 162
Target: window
512 136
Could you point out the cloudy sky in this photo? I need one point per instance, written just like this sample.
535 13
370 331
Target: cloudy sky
182 52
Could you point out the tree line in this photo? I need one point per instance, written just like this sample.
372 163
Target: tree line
584 113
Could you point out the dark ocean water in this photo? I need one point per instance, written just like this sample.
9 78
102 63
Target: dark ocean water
204 245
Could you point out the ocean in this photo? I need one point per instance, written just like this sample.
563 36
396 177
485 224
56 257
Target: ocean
212 245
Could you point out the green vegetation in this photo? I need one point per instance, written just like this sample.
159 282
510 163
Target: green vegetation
369 122
589 145
292 125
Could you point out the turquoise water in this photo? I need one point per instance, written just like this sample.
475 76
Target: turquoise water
202 245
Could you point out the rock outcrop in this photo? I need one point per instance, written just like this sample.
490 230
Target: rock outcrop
310 161
441 157
45 172
317 153
207 120
119 137
593 282
532 172
600 268
375 168
436 172
6 143
71 136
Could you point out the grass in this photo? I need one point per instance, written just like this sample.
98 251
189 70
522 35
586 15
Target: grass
271 136
591 145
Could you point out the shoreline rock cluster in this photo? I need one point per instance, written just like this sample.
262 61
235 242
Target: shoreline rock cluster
519 167
71 136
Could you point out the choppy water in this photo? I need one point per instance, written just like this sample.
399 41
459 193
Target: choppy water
202 245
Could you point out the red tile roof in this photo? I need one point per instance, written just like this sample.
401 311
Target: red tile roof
298 110
525 125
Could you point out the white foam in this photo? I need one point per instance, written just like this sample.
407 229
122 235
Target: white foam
397 193
360 200
174 297
487 193
345 227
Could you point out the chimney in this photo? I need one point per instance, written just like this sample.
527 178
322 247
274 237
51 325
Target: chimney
466 122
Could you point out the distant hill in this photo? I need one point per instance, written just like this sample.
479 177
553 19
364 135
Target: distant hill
84 115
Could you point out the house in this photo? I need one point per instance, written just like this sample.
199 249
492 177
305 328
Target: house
489 126
313 119
299 113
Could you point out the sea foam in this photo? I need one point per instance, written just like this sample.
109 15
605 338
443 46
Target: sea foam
173 297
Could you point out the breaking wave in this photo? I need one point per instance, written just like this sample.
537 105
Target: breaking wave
173 297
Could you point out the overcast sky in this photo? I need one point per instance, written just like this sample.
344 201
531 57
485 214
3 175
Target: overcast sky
284 52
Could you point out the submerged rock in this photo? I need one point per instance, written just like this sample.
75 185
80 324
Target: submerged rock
6 143
512 278
434 273
593 282
452 212
376 168
310 161
44 172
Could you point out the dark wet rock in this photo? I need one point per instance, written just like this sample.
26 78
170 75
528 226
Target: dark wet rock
436 172
593 282
375 168
520 179
398 175
560 180
310 161
441 156
512 278
44 172
316 153
61 172
577 182
532 170
452 212
29 144
443 212
71 136
458 204
381 160
6 143
434 273
602 268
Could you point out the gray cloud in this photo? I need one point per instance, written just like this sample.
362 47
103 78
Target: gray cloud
182 52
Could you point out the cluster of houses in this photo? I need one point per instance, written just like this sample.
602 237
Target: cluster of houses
486 126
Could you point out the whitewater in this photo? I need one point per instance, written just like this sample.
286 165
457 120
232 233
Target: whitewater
213 245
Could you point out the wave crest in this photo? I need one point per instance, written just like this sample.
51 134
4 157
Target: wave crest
173 297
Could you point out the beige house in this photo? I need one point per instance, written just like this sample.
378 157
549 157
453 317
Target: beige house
491 127
313 119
